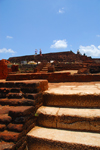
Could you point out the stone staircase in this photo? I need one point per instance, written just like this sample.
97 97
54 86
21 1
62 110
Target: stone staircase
45 68
68 121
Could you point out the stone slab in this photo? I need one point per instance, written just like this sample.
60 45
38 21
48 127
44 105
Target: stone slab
39 138
69 118
73 94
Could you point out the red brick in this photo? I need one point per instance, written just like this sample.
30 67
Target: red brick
14 95
5 109
18 102
6 145
15 127
21 110
23 119
2 127
33 96
4 118
9 136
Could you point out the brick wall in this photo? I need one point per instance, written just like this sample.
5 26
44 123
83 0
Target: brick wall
55 77
18 103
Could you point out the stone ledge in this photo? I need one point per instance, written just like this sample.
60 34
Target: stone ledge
55 77
6 145
21 110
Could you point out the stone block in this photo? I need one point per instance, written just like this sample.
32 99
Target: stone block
6 145
15 127
9 136
21 110
4 118
15 95
18 102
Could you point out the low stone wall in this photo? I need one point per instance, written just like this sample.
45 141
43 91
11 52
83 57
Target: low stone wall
55 77
18 103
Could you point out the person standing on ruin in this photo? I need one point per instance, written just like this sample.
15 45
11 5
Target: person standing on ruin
36 51
40 52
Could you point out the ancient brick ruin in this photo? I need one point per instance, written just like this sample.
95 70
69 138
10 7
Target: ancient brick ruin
4 70
18 104
28 112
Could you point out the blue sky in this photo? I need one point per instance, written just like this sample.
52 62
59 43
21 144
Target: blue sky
52 25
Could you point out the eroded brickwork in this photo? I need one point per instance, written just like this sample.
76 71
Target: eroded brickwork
18 103
4 70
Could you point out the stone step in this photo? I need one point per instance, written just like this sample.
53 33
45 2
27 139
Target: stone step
69 118
40 138
79 100
15 95
44 69
19 102
33 84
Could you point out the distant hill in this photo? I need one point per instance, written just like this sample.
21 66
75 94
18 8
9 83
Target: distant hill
68 56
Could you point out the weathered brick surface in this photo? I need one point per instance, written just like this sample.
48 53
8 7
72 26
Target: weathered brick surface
4 118
14 95
21 110
5 109
33 96
30 90
3 69
19 101
56 77
22 119
2 127
6 145
15 127
20 127
9 136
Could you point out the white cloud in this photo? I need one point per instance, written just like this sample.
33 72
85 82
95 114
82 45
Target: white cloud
98 35
60 44
61 11
91 50
4 50
9 37
99 46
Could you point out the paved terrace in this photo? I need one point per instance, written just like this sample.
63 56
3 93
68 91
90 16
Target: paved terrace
74 88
